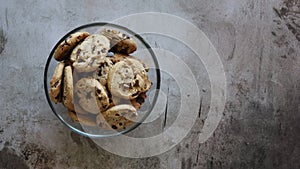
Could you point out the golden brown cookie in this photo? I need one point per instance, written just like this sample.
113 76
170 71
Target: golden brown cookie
92 96
126 46
89 54
119 42
64 49
127 79
56 83
118 117
82 119
68 99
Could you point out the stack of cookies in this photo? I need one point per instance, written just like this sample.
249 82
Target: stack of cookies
97 79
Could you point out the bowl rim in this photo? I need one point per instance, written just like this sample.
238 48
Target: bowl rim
157 70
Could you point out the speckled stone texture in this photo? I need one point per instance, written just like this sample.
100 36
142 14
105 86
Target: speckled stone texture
259 45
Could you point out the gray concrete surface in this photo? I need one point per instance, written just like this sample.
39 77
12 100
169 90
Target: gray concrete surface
259 45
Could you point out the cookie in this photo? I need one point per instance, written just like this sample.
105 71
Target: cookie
64 49
101 73
141 81
56 83
68 99
117 117
119 42
126 46
87 55
92 96
82 119
120 79
127 79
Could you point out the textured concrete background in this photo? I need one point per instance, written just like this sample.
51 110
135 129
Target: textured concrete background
259 44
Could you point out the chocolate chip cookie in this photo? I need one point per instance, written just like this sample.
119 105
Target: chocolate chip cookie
87 55
127 79
56 83
117 117
68 99
92 95
119 42
64 49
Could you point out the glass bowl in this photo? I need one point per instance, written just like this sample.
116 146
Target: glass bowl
144 53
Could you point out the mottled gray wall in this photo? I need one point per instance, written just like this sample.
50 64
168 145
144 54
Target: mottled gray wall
259 45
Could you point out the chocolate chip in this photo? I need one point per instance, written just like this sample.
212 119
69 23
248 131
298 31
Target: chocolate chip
57 97
135 94
93 49
78 52
66 43
56 83
80 60
100 72
130 86
120 124
117 114
114 127
136 84
140 100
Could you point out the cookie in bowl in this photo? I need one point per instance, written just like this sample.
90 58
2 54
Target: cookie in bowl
99 81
